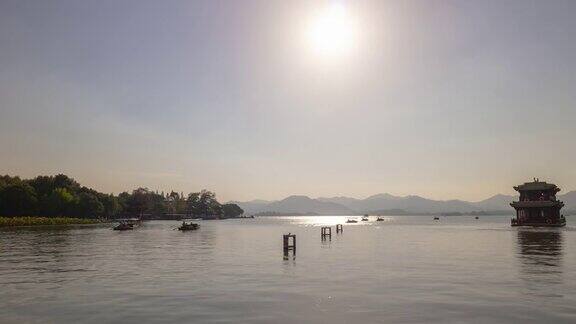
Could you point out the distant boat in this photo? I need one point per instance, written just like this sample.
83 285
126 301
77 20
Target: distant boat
350 220
436 218
379 219
132 221
123 227
365 218
476 217
188 226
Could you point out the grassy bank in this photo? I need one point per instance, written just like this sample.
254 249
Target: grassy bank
35 221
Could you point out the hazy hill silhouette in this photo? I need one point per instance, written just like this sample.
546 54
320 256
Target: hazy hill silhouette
304 205
387 202
569 200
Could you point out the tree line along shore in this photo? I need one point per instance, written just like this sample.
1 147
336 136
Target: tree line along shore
60 200
50 221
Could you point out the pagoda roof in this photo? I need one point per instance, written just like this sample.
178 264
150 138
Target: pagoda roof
537 203
536 185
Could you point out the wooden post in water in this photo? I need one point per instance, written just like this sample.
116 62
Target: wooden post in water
326 233
287 245
339 228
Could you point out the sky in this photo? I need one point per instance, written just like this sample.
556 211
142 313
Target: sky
443 99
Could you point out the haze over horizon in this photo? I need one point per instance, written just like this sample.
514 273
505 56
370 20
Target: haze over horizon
267 99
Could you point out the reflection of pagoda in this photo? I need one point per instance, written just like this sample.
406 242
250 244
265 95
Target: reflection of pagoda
540 252
538 205
540 248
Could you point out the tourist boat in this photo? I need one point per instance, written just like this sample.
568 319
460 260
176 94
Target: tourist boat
379 219
436 218
350 220
188 226
538 205
365 218
123 226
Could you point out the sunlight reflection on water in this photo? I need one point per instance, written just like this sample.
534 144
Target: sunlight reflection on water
332 220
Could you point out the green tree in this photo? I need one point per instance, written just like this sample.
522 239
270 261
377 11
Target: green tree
193 203
45 185
204 203
156 204
7 180
172 199
88 206
143 201
138 202
231 210
176 203
18 199
60 203
112 205
63 181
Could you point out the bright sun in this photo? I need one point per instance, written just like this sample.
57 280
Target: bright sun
332 32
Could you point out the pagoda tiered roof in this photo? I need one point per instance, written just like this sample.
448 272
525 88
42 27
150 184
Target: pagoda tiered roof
537 185
537 203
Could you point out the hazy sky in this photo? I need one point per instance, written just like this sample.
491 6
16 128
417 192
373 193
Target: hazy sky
444 99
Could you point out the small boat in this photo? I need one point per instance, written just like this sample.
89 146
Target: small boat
379 219
188 226
436 218
124 227
350 220
476 217
130 221
365 218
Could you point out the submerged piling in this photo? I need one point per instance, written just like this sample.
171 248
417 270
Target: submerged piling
326 231
289 242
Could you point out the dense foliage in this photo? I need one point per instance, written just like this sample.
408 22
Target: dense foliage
61 196
28 221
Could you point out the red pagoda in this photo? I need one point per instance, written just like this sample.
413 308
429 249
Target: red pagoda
538 205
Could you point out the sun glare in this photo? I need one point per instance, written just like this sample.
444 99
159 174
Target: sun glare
332 32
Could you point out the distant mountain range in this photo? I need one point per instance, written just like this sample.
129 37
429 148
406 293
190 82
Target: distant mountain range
386 204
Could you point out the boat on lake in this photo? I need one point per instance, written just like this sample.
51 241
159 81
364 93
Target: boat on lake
436 218
188 226
132 221
124 226
365 218
351 220
538 206
379 219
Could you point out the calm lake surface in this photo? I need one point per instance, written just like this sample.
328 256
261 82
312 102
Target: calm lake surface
403 270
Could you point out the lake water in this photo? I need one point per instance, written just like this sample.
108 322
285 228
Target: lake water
402 270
